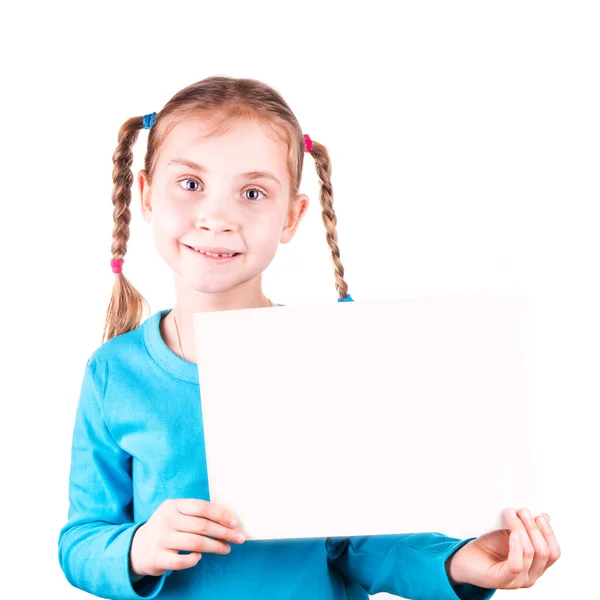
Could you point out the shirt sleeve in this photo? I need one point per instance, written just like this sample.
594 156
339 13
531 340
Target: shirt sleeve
409 565
94 544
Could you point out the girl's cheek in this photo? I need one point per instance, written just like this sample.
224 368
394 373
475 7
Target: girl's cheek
174 215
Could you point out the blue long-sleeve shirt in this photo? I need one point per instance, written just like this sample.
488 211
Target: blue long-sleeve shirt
138 440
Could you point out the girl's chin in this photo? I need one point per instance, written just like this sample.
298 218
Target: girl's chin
209 283
214 288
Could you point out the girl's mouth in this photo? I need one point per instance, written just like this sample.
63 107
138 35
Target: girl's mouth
213 257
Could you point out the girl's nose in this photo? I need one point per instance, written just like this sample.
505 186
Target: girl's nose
215 223
216 214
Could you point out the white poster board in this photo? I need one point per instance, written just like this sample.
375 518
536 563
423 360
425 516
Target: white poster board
366 418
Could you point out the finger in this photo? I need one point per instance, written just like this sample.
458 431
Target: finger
515 524
179 540
540 547
550 538
514 562
176 562
201 508
202 526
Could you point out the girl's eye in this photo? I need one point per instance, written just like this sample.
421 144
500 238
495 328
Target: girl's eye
193 186
196 183
254 190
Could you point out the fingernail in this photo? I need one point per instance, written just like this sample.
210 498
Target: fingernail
546 517
233 522
511 513
240 537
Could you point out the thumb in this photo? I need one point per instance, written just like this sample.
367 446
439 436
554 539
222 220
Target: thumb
513 565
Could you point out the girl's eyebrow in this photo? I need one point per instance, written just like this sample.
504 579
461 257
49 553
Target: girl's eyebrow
250 175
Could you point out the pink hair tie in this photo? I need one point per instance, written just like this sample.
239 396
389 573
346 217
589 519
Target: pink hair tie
117 264
307 142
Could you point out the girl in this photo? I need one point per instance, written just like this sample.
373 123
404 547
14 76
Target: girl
220 189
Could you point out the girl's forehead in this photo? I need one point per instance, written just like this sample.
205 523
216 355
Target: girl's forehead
241 141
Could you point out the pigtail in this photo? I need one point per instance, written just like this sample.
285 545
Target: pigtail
323 166
125 310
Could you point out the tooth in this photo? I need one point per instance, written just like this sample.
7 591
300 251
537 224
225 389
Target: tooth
213 255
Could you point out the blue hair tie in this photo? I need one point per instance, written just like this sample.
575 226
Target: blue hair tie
348 298
149 120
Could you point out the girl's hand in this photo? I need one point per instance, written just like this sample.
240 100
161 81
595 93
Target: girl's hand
181 524
507 558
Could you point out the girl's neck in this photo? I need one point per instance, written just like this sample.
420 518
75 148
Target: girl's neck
180 320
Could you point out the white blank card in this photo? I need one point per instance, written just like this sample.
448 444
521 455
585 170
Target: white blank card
366 418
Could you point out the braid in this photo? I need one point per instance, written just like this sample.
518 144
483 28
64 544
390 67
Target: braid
323 166
125 310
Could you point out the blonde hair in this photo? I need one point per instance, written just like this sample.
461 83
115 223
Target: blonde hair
221 100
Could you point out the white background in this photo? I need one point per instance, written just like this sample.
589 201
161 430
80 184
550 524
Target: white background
465 143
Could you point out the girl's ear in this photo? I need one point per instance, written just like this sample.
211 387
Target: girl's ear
144 189
295 214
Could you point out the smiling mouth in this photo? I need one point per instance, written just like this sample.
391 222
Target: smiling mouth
212 254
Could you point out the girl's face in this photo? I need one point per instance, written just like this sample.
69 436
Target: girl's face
230 193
